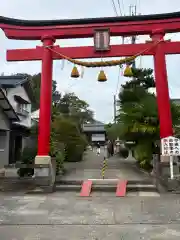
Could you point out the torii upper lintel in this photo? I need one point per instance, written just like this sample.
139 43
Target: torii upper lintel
84 28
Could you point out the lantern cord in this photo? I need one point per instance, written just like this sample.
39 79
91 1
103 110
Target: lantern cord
109 63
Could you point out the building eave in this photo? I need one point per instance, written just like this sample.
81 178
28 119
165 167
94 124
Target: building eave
7 107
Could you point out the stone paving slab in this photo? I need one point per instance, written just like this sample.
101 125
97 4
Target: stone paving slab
56 209
91 232
66 215
62 216
90 168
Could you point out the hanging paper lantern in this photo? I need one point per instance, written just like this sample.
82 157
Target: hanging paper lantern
128 71
102 76
75 72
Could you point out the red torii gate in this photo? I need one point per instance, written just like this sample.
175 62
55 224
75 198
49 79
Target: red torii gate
48 31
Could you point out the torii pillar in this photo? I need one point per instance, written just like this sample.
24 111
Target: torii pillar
161 82
43 158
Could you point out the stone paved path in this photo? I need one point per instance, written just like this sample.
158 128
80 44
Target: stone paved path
117 168
60 216
66 216
91 167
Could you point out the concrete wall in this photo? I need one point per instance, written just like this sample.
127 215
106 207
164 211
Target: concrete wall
20 91
4 121
4 139
166 167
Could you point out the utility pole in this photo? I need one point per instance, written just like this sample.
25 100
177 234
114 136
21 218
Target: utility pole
132 11
114 108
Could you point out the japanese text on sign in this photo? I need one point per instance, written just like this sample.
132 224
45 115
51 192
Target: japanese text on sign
170 146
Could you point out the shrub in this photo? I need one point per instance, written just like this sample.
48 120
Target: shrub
59 163
66 131
74 152
27 157
143 154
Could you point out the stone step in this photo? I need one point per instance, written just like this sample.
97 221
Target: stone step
101 181
41 190
14 184
69 182
66 187
141 188
107 187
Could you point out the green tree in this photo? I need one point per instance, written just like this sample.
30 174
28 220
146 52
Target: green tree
36 84
35 81
77 109
65 131
138 115
113 130
67 143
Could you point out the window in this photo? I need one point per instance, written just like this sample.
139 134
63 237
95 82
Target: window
23 109
22 104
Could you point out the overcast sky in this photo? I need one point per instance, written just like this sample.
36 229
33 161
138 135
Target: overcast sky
99 96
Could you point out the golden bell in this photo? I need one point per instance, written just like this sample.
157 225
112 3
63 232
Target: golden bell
102 76
128 71
75 72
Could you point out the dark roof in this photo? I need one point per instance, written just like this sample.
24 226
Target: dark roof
176 101
96 122
93 127
15 80
12 81
31 23
7 108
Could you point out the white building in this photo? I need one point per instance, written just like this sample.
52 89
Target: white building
15 116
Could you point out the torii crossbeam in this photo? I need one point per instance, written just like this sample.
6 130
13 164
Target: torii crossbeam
156 26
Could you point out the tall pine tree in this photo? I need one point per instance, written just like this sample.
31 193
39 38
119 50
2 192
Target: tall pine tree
138 114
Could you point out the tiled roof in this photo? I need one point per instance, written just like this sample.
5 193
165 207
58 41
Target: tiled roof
12 81
176 101
96 127
7 108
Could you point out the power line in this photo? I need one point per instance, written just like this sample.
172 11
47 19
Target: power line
117 86
114 7
123 8
120 7
121 13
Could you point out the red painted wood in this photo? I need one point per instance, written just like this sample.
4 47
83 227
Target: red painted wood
31 54
162 90
121 188
86 188
126 28
88 52
45 100
78 52
171 47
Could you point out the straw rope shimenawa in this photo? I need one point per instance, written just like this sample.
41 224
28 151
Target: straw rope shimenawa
109 63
